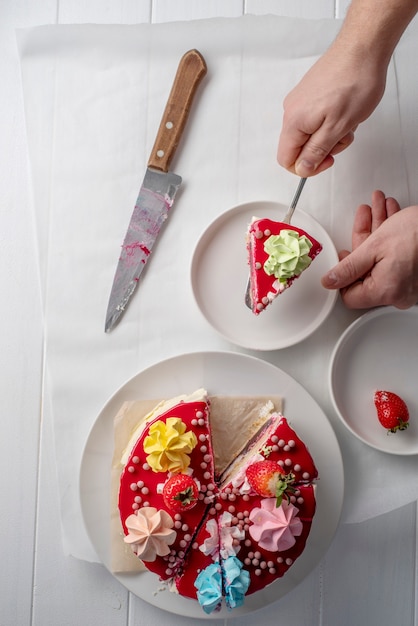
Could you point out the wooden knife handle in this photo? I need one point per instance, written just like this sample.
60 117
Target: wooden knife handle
191 70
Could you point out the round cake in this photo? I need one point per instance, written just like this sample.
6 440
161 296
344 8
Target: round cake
277 254
215 536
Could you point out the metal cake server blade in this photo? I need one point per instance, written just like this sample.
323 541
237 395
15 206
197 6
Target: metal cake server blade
158 189
287 218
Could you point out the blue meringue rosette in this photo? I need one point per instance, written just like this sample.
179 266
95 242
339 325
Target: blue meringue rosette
236 582
209 588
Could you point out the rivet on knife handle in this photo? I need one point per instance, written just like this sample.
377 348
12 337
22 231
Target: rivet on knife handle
191 70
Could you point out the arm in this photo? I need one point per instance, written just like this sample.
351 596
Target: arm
382 269
343 87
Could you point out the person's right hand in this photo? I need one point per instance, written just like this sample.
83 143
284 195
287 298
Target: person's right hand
322 112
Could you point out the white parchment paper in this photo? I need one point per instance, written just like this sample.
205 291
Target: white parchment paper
93 97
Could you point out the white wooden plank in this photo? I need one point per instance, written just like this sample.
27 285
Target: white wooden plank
21 337
341 7
369 574
302 606
167 10
143 613
67 591
295 8
99 12
415 575
405 55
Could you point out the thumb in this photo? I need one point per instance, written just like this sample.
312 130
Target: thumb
306 166
352 267
315 155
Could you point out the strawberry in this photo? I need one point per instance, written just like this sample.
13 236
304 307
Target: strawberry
269 480
180 492
392 411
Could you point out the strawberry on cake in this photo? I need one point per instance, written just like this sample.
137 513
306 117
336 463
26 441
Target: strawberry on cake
215 536
277 254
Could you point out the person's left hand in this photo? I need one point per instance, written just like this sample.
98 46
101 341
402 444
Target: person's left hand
382 268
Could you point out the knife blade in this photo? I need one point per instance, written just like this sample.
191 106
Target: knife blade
158 190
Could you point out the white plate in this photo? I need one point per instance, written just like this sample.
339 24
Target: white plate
219 373
378 351
219 274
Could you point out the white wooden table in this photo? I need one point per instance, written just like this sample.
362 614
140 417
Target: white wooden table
368 577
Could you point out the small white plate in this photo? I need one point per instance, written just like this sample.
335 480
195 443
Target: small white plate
220 373
219 274
377 351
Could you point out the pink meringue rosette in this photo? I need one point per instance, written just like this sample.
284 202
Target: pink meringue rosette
275 528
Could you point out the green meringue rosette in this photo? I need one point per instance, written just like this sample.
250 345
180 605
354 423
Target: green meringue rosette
288 255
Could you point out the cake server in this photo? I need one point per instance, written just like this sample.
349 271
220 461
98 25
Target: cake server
158 189
286 220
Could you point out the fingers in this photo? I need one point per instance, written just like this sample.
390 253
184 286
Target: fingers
360 295
392 206
342 254
355 275
311 164
307 155
368 218
362 225
343 143
350 269
290 142
379 212
355 266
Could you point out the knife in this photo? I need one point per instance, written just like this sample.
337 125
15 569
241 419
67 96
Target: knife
158 188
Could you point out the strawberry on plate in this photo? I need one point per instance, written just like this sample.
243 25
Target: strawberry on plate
392 411
180 493
268 480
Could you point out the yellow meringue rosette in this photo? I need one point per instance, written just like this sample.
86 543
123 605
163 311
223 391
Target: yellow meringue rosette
168 446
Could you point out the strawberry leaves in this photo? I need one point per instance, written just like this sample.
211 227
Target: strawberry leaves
180 493
284 488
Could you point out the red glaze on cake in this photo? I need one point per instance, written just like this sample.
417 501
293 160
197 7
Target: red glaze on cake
266 563
265 286
234 541
141 487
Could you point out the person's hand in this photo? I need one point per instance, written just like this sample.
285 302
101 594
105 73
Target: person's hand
382 269
322 112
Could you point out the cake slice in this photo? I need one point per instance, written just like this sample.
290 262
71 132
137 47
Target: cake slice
167 482
278 253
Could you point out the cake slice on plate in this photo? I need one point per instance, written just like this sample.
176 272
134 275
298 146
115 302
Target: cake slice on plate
278 253
167 482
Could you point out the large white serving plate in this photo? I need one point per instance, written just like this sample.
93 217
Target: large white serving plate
379 350
220 373
219 274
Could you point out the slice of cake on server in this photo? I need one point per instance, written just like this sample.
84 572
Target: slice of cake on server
277 254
